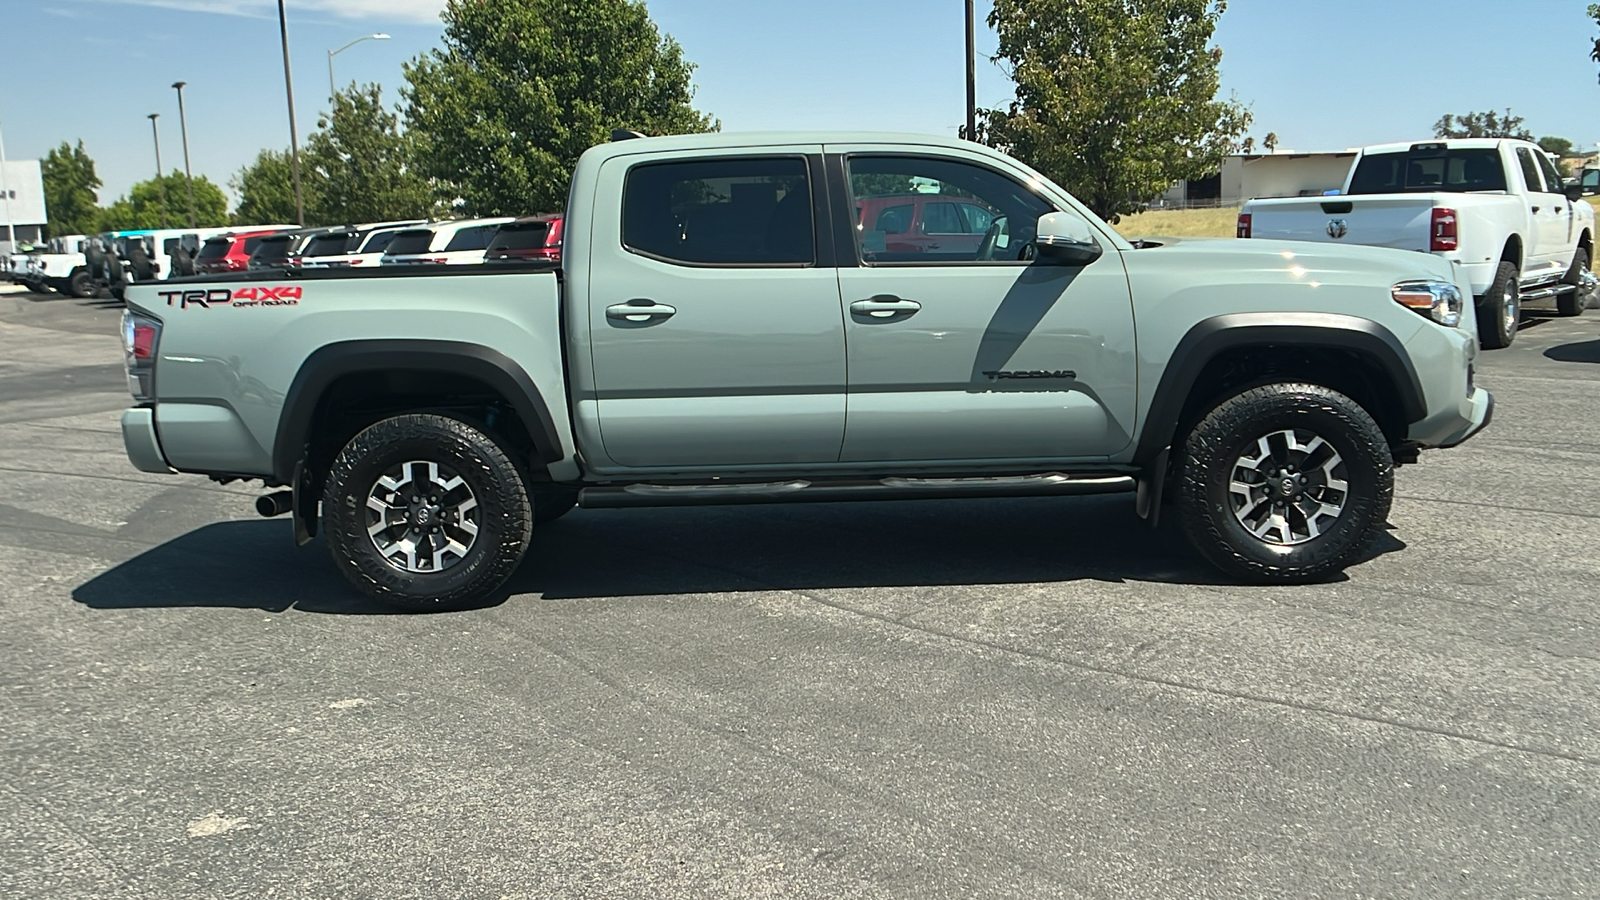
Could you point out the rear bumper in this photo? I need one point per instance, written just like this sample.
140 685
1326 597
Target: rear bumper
140 441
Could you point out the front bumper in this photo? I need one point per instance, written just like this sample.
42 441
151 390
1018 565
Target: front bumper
1482 414
141 443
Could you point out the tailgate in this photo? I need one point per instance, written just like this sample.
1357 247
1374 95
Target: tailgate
1399 222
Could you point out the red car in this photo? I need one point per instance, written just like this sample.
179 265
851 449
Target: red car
536 238
939 225
230 252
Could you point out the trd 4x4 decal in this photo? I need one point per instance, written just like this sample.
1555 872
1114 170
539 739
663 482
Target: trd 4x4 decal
281 295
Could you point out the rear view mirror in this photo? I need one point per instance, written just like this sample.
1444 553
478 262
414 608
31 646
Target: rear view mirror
1065 239
1574 191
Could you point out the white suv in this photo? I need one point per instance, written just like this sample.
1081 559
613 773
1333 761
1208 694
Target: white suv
461 242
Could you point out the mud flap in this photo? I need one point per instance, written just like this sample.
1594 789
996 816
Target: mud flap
304 508
1152 484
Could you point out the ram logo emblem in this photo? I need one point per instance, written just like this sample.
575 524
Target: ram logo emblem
1338 228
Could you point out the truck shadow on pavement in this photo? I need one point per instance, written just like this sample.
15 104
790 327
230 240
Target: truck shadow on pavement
1581 352
595 554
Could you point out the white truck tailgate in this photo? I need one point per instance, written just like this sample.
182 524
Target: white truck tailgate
1400 222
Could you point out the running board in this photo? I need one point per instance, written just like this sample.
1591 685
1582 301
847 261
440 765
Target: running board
1052 484
1547 293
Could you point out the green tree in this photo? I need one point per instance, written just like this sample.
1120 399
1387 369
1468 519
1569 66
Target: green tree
1482 125
141 207
1116 99
266 190
70 190
362 164
522 87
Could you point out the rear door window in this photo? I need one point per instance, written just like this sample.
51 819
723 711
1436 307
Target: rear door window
735 211
215 248
1530 171
473 238
406 243
520 237
328 244
378 241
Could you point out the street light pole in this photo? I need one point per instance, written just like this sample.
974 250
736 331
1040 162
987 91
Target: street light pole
294 137
161 183
972 75
188 173
333 89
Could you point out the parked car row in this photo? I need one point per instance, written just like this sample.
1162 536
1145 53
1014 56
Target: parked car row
91 265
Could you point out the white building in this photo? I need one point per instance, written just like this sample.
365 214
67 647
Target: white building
21 202
1259 176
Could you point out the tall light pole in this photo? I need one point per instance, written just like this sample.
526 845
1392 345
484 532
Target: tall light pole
161 183
294 136
333 89
972 75
188 173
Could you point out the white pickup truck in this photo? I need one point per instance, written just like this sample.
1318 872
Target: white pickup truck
1497 208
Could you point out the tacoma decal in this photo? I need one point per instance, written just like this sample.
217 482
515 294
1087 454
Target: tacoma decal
1006 376
281 295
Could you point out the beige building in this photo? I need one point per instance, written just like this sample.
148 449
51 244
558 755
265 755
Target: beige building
1252 176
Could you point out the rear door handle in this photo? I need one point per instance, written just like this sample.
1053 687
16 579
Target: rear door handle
885 306
640 311
1537 208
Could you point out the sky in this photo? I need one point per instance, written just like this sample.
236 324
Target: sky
1322 75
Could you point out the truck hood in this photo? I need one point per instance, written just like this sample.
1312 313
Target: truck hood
1297 261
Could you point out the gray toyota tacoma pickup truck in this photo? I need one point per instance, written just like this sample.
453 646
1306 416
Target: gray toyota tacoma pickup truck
792 318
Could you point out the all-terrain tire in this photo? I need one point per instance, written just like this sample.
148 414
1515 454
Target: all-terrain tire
1573 302
1216 465
1500 309
81 285
500 513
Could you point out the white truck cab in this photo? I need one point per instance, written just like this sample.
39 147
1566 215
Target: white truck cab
1495 207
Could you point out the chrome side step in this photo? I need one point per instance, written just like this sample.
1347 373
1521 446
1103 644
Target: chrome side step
1049 484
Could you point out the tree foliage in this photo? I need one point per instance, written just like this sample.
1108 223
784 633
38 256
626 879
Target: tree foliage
1482 125
522 87
1560 146
362 164
141 208
1116 99
266 190
1594 13
70 190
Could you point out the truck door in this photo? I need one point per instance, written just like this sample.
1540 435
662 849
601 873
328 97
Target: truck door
969 351
1566 216
1547 213
713 319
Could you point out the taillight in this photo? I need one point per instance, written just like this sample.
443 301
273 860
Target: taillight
1244 225
1444 230
552 238
140 335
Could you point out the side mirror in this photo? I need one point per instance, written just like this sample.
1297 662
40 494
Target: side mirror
1574 191
1066 240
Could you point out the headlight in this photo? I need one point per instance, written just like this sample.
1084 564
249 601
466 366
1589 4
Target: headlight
1438 300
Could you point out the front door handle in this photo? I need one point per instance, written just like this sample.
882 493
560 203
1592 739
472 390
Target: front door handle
1537 208
885 306
640 311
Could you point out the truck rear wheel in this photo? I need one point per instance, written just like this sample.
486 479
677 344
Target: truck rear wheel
80 285
426 512
1285 483
1575 301
1500 309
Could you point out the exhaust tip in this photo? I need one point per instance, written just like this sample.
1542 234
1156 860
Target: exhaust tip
275 504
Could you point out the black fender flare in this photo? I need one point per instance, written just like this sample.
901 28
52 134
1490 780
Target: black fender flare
1220 334
334 361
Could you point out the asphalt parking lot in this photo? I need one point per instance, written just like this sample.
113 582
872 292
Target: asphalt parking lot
1021 698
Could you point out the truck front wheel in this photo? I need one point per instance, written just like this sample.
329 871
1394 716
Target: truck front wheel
1500 309
426 512
1285 483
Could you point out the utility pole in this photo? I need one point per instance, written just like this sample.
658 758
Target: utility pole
188 173
972 74
161 183
294 137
